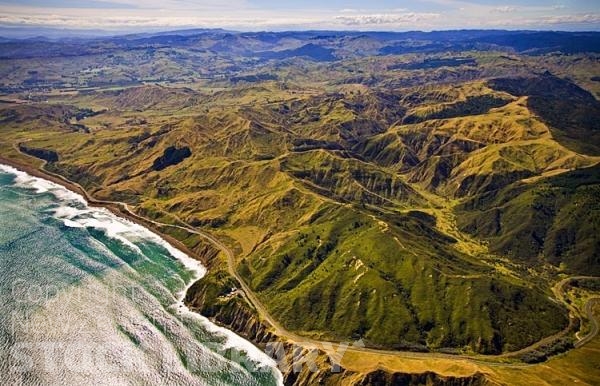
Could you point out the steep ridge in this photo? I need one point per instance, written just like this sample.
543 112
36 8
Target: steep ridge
329 197
551 220
473 154
349 180
573 114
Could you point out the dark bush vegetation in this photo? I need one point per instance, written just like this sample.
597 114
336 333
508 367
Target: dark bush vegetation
171 156
45 154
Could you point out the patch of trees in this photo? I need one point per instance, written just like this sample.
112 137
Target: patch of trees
544 352
171 156
45 154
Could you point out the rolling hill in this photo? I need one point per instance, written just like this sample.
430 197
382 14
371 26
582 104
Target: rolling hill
420 197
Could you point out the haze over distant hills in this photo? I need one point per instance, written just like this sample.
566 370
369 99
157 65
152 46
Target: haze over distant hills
315 43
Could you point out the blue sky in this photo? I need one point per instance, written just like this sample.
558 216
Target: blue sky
305 14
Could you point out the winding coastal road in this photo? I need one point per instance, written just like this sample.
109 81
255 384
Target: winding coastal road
329 347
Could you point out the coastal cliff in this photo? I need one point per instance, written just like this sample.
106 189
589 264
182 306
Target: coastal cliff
216 297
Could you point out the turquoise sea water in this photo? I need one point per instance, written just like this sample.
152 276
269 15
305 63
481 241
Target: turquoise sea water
89 298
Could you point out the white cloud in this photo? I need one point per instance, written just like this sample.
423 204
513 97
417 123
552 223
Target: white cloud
572 19
141 22
387 19
504 9
181 4
240 16
370 11
548 21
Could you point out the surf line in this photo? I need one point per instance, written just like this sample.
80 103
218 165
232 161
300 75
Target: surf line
118 228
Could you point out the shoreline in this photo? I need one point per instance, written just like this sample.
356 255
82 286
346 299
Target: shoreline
117 208
122 210
190 261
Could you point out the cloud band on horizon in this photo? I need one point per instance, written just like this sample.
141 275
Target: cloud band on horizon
264 14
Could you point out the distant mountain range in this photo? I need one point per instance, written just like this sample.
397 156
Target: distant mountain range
317 45
416 191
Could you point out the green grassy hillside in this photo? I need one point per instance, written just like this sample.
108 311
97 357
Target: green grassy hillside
395 284
553 220
359 203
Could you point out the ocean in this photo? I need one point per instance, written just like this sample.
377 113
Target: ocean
87 297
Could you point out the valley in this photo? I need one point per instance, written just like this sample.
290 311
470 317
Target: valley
424 203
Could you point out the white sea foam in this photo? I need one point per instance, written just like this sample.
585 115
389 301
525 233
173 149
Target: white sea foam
68 212
128 233
111 227
40 185
72 224
232 339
